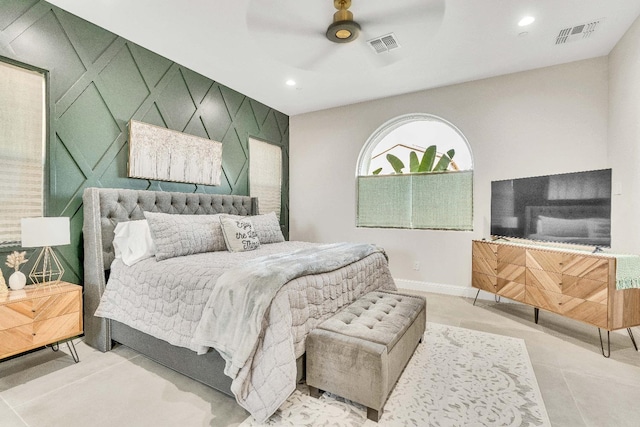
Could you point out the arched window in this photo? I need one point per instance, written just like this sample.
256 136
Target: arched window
416 171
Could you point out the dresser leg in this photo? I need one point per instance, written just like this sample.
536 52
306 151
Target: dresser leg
72 350
476 298
633 340
602 345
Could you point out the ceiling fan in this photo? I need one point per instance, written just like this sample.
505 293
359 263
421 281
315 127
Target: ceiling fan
343 29
297 34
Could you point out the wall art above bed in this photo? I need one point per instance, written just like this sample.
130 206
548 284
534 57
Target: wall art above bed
167 155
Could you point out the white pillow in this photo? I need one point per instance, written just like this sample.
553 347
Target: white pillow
239 234
132 241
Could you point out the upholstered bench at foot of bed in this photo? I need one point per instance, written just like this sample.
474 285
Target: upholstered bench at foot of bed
360 352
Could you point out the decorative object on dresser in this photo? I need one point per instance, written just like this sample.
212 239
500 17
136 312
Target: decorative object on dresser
3 284
576 284
38 316
46 232
17 280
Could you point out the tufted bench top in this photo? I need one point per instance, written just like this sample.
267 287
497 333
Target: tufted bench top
379 317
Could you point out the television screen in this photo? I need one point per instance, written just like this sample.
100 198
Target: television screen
566 208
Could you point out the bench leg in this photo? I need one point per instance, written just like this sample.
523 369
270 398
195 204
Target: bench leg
373 414
315 392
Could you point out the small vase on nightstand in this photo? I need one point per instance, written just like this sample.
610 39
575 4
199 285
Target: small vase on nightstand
17 280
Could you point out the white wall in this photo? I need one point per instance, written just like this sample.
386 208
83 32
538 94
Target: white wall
538 122
624 138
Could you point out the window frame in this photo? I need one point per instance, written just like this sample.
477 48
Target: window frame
364 162
364 158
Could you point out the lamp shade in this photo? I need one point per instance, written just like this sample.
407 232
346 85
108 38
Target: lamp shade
45 231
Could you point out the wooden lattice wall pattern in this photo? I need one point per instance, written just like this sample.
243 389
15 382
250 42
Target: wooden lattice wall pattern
99 81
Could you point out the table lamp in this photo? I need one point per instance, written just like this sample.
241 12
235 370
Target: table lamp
45 232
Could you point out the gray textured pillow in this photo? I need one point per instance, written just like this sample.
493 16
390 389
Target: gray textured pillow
266 227
239 233
178 235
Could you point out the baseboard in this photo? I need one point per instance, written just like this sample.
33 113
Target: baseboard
444 289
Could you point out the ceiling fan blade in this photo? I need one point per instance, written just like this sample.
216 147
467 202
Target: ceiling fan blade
425 11
278 24
320 58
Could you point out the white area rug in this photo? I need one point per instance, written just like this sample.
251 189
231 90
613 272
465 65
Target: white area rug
457 377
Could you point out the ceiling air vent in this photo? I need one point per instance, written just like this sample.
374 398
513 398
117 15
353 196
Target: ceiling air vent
384 43
578 32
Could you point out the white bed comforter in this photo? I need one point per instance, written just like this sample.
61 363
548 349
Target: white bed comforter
166 299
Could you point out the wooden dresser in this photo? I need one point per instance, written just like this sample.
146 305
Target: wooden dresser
581 286
34 317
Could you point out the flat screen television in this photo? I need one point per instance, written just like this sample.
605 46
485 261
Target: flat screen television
565 208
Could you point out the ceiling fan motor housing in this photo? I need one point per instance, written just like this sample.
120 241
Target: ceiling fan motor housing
343 29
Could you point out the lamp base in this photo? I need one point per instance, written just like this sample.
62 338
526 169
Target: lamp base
47 269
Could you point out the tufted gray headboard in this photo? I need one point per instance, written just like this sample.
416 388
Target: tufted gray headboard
104 208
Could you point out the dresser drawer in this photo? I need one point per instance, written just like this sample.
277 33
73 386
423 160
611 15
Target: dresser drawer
545 260
546 280
574 308
513 290
587 267
484 281
484 249
587 289
511 255
484 265
511 272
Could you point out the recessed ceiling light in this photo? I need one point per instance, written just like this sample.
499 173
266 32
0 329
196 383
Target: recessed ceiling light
291 82
527 20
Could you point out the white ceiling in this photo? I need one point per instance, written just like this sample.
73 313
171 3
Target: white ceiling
254 46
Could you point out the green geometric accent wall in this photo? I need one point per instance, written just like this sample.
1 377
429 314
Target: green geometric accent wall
98 81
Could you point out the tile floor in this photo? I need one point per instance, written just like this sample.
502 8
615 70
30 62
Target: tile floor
123 388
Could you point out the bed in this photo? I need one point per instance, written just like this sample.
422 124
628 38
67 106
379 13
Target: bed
578 224
299 305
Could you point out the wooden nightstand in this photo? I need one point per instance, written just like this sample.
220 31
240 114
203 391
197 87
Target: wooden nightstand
38 316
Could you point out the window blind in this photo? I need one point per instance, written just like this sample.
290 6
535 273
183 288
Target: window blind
22 135
441 201
265 175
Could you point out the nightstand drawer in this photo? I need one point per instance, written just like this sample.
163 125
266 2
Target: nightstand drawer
56 328
26 311
25 337
55 305
39 316
16 314
16 339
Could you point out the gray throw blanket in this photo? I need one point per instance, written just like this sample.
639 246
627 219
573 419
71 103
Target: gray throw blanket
232 320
